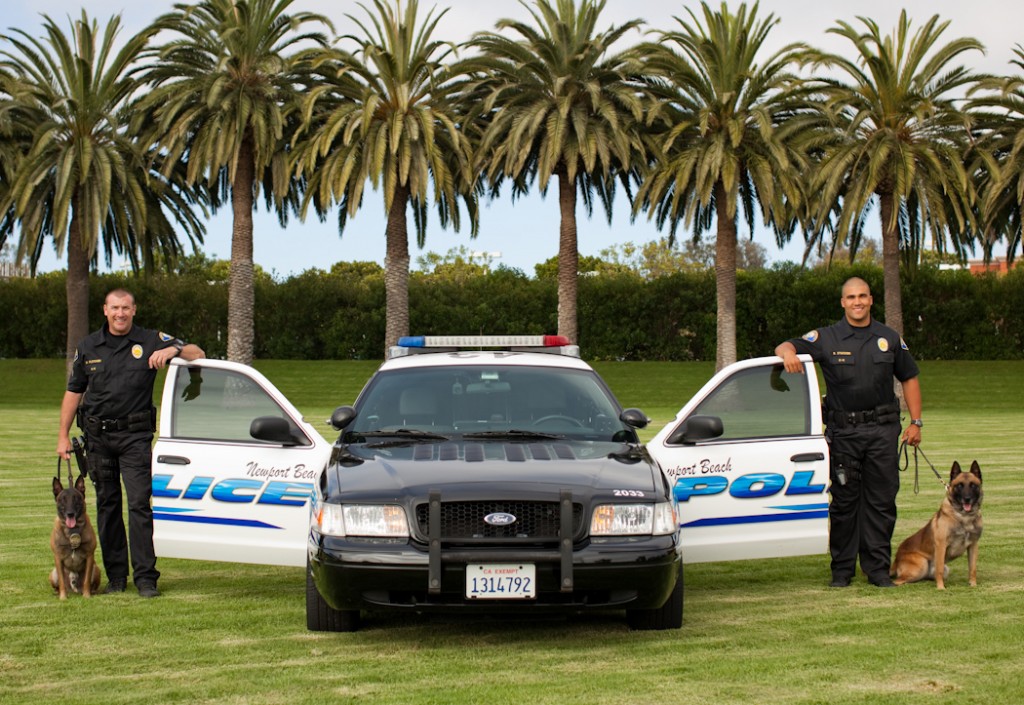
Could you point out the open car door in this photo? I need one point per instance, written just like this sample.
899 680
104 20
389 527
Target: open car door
219 493
749 465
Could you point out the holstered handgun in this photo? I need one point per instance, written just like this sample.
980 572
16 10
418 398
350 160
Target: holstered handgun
78 446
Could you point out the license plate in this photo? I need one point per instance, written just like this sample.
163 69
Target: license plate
501 581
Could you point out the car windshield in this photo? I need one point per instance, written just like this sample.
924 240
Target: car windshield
501 402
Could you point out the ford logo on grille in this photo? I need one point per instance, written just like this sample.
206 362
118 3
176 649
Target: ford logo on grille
500 519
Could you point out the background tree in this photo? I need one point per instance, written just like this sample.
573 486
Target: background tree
1000 118
83 179
558 103
724 133
224 95
898 137
387 115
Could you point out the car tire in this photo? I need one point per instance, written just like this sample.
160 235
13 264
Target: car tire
668 616
321 617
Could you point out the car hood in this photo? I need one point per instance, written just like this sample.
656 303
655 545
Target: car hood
363 472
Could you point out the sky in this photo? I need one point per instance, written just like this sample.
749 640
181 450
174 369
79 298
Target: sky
525 233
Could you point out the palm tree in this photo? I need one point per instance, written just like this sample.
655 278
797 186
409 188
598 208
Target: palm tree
225 93
1000 118
557 103
387 116
724 132
899 138
15 140
83 178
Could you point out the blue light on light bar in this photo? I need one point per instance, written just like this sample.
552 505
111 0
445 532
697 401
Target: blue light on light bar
482 341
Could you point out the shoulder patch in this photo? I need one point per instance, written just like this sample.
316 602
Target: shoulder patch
811 336
903 344
883 344
164 337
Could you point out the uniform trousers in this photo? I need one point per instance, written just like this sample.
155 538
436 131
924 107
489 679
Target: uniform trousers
132 453
862 513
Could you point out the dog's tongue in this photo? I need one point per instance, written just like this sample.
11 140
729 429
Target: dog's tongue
71 521
967 506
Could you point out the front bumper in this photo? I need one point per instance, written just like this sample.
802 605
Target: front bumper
633 573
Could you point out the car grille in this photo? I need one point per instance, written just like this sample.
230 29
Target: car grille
537 521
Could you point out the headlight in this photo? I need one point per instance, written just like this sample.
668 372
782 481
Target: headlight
387 520
633 520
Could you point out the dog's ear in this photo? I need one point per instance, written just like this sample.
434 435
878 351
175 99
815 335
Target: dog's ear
80 484
976 469
954 471
57 487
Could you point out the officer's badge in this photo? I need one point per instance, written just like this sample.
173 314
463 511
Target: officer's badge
137 351
903 344
883 345
164 337
811 337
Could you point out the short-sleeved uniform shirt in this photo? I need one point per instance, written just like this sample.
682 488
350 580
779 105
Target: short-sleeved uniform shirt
113 371
858 363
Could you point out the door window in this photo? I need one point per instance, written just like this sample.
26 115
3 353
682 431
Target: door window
219 405
760 402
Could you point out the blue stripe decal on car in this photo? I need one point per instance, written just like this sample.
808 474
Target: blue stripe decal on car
757 519
220 521
174 510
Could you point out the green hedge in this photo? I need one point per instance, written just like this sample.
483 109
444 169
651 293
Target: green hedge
340 314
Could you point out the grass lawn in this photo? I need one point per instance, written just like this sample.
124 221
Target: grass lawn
765 631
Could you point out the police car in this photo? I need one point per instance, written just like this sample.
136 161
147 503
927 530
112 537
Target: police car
489 474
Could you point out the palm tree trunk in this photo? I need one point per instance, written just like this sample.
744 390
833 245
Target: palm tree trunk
891 264
891 277
77 288
568 259
241 299
725 280
396 269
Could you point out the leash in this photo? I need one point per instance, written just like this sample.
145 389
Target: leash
906 463
71 477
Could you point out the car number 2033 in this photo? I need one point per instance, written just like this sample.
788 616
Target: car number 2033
501 581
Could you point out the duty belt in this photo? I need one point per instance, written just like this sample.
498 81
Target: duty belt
139 421
107 425
879 414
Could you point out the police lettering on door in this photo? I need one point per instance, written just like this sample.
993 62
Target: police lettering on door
710 477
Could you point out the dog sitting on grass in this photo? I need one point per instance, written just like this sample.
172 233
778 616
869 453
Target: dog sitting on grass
954 530
73 542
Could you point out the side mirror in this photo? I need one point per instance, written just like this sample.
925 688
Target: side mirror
342 417
634 418
696 428
275 430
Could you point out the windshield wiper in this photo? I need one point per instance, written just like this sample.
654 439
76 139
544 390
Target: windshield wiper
409 434
515 434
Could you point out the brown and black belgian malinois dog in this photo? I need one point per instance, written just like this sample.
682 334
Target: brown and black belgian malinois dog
955 529
73 542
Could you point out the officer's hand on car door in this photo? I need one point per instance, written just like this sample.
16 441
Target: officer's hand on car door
160 358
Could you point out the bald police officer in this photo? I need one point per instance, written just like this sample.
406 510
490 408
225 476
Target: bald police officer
859 358
111 391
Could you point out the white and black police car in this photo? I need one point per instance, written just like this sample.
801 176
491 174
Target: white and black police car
493 474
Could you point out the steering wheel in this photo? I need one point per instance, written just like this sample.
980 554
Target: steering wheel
558 417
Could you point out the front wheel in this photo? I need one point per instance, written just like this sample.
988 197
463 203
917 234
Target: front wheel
668 616
321 617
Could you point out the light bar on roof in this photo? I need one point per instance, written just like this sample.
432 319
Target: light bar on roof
482 341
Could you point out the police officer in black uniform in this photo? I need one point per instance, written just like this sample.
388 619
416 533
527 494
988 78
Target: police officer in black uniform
111 392
859 358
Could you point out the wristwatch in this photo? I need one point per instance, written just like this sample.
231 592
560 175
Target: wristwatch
917 422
